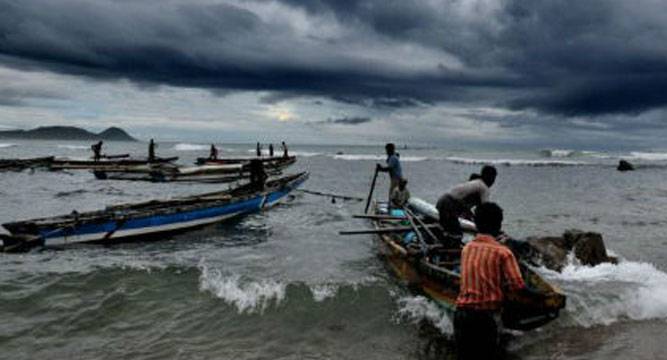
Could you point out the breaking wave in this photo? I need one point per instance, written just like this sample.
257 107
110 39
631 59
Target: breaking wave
322 292
648 156
356 157
303 153
559 153
3 145
418 308
191 147
515 162
246 296
607 293
73 147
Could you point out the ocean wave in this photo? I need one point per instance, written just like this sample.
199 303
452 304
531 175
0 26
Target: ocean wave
4 145
246 296
515 162
191 147
607 293
303 153
357 157
322 292
559 153
418 308
648 156
73 147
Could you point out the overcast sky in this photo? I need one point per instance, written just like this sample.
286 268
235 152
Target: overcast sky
585 74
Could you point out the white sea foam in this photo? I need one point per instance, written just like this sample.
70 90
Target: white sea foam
3 145
357 157
417 308
301 153
322 292
648 156
191 147
607 293
515 162
247 296
559 153
73 147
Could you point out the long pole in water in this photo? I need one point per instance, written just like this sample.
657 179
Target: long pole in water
370 194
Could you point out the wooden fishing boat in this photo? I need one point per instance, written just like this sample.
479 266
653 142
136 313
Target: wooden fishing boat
104 164
170 173
148 219
437 273
273 161
21 164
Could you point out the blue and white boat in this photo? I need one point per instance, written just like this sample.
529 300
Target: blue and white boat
145 220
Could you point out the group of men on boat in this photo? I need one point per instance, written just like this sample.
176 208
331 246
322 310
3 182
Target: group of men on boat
488 269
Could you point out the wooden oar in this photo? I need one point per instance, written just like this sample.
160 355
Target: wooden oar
370 194
420 237
420 222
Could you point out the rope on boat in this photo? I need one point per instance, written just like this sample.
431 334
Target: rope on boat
330 195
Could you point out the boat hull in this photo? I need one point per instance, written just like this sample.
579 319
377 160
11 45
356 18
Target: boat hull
114 226
441 282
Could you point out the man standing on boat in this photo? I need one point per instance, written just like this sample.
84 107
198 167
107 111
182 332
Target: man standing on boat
285 154
460 200
393 168
488 271
259 149
214 153
270 150
151 151
97 150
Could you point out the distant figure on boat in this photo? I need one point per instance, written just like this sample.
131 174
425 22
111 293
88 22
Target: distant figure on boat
393 167
400 196
97 150
259 149
270 150
257 174
459 201
214 153
284 146
488 271
151 151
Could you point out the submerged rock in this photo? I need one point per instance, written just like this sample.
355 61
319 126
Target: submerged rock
624 165
552 251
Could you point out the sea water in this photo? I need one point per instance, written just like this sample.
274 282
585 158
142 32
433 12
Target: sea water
284 284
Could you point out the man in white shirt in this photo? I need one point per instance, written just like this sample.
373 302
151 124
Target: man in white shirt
459 201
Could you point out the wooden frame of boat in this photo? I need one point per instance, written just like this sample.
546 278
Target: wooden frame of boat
266 160
102 164
439 279
147 219
204 173
28 163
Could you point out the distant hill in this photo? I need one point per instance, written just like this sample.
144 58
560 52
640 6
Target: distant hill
67 133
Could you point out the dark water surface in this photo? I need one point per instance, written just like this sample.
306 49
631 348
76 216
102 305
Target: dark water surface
283 283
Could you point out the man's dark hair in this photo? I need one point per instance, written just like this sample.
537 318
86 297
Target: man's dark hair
489 174
489 218
390 147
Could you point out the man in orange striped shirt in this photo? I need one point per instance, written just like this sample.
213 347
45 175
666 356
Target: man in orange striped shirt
488 269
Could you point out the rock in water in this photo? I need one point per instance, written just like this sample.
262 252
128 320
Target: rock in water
552 251
625 166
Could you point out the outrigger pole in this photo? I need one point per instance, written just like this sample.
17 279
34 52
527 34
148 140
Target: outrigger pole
370 194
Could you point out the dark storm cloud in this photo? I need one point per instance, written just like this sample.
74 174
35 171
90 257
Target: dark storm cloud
348 120
566 58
